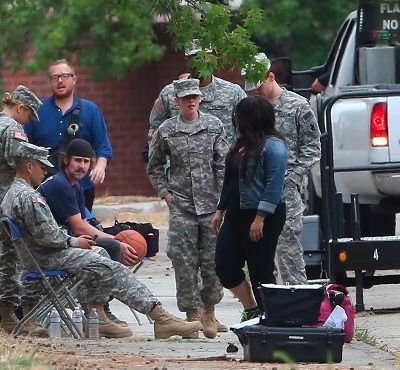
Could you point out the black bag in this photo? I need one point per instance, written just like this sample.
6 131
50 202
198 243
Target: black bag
294 305
150 234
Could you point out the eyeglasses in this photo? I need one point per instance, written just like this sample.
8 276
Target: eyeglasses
63 76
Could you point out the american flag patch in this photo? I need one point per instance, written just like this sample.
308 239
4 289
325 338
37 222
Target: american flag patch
20 136
41 200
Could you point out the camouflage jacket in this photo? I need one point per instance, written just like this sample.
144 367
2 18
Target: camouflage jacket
219 99
10 132
296 121
197 161
48 243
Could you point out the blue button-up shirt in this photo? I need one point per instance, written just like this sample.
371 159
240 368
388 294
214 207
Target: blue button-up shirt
52 127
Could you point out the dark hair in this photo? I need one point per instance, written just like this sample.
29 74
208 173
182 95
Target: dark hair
254 120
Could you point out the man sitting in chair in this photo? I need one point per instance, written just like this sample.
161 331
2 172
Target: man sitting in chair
53 249
65 197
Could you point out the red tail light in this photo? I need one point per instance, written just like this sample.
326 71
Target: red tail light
379 129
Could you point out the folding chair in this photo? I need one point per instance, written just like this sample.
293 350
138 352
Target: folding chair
54 282
134 269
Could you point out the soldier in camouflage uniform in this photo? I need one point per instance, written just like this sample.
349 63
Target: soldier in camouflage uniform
219 98
19 107
196 144
54 249
296 121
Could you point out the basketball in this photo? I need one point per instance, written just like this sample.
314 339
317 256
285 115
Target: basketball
135 240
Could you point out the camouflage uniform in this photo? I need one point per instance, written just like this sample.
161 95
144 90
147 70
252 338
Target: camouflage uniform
197 153
11 132
53 248
219 99
296 121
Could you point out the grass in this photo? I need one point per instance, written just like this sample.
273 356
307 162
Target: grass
15 355
363 335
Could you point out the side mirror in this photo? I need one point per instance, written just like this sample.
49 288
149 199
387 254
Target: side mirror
282 69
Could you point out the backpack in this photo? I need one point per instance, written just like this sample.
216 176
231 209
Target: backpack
150 234
336 294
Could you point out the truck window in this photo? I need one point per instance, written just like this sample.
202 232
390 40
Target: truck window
341 49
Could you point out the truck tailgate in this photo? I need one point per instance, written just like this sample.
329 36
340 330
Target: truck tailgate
393 115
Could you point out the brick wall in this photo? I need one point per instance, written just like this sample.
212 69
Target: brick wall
126 105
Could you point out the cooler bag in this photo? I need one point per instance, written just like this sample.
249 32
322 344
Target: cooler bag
291 305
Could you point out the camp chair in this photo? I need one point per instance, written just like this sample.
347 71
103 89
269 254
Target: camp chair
55 284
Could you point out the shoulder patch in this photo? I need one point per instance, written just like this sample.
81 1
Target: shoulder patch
41 200
307 116
20 136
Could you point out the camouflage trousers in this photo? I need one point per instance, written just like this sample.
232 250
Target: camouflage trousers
289 252
191 248
9 287
102 278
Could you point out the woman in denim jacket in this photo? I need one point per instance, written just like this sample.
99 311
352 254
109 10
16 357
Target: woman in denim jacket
251 204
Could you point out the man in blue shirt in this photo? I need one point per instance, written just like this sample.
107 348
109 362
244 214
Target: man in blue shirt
56 129
64 196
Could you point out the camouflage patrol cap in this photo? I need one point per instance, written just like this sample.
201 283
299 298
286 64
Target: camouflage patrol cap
185 87
193 47
259 58
30 151
27 97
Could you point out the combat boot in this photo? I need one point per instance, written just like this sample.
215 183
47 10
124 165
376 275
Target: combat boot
107 328
112 317
193 315
32 327
167 325
209 322
8 319
221 328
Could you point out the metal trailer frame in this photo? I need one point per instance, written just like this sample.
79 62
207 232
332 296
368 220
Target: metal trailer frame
363 253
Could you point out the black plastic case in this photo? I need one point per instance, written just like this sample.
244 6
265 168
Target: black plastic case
306 344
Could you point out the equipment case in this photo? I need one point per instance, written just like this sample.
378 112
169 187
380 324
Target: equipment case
305 344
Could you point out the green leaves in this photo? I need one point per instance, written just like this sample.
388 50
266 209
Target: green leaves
113 37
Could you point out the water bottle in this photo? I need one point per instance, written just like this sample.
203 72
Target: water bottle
77 319
93 324
55 324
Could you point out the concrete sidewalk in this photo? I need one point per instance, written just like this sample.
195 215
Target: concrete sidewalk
158 275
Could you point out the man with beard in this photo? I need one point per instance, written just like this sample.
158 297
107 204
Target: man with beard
64 195
63 117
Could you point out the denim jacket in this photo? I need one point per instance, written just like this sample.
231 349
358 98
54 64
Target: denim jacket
263 186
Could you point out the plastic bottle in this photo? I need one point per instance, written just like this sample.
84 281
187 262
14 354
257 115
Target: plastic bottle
55 324
77 319
93 324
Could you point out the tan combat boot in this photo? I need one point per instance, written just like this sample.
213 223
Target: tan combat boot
167 325
8 319
107 328
221 328
32 327
193 315
209 322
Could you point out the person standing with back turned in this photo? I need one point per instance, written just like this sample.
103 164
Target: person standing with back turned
63 117
251 204
296 121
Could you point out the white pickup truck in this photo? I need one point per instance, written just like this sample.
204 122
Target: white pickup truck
365 61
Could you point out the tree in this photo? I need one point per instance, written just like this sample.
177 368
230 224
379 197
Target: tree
300 29
112 37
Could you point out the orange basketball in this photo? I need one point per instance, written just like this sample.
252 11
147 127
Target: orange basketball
135 240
